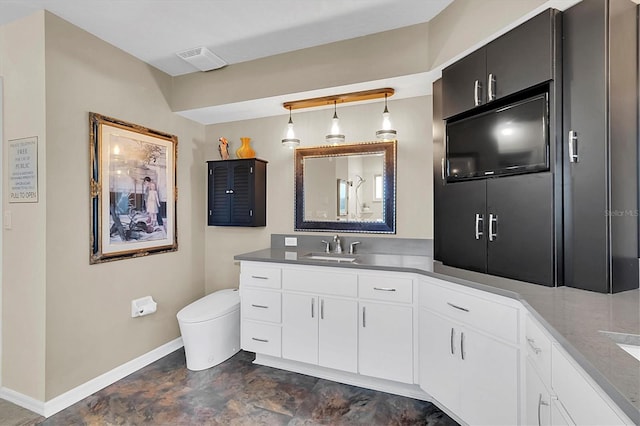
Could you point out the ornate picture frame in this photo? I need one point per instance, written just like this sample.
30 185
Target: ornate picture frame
133 190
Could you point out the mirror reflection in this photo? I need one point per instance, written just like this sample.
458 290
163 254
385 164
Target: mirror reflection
346 188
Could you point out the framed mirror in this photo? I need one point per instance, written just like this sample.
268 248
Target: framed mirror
346 188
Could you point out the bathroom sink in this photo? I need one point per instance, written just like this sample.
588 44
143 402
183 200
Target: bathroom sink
331 257
630 343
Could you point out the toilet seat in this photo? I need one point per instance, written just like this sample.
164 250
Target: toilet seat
212 306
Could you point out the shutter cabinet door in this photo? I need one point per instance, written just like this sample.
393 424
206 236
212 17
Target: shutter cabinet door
219 199
242 197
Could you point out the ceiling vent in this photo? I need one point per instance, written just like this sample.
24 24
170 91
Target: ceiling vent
202 58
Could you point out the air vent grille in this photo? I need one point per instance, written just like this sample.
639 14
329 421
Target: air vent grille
202 58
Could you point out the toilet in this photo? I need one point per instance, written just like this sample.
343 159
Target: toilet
210 329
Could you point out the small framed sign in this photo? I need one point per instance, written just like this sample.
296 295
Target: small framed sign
23 170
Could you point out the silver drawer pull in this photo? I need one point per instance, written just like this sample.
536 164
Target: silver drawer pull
258 277
384 289
260 340
260 306
531 343
457 307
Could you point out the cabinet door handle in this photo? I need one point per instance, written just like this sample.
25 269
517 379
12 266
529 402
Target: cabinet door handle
540 404
573 147
479 220
322 309
491 92
451 342
477 91
462 345
384 289
531 343
364 317
457 307
313 302
260 340
493 227
229 191
260 306
258 277
442 168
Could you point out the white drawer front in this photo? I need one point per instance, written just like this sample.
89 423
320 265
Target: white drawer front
258 274
498 320
321 281
385 287
538 347
261 305
261 338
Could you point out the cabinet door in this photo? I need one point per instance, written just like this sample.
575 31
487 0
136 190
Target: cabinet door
338 334
242 197
459 82
300 327
523 57
462 219
385 344
439 362
489 389
218 196
584 98
537 406
520 216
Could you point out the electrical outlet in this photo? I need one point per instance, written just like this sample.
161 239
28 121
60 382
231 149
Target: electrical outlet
290 241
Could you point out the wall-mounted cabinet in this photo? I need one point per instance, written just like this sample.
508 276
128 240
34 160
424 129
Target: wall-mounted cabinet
237 192
521 58
600 94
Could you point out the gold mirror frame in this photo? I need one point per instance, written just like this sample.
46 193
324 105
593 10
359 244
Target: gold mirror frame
388 223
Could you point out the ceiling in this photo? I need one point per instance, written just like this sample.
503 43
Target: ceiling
235 30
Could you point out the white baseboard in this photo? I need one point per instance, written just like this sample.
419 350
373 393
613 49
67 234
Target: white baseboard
67 399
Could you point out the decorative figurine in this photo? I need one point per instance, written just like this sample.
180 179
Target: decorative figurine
223 148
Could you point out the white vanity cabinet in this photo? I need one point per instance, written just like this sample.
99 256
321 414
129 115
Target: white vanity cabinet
320 317
469 353
385 343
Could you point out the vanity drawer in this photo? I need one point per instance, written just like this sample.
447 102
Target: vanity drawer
261 338
538 347
261 305
389 288
490 316
321 280
260 274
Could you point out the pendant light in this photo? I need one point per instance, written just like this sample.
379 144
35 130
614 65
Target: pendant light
386 132
335 137
290 141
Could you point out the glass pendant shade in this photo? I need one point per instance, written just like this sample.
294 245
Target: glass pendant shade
335 136
387 132
290 141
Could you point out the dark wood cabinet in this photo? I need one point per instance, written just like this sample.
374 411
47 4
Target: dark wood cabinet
522 58
237 192
501 226
600 97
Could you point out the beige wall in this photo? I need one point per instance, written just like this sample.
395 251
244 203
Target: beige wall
411 118
22 65
464 23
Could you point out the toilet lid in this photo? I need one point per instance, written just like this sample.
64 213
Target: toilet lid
211 306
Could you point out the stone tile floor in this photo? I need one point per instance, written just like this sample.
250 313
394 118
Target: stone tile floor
238 392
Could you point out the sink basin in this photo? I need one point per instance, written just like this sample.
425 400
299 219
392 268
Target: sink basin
630 343
331 257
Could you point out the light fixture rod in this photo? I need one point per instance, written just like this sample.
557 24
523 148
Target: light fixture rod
339 99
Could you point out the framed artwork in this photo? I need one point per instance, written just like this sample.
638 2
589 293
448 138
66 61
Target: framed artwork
133 190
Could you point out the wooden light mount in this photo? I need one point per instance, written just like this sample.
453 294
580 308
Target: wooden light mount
340 99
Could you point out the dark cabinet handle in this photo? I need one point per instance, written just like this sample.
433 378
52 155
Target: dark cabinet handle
491 91
477 92
493 227
451 342
479 220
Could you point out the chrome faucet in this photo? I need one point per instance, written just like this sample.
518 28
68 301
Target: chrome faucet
352 247
327 247
337 247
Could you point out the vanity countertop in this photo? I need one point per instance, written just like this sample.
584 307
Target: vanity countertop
575 318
